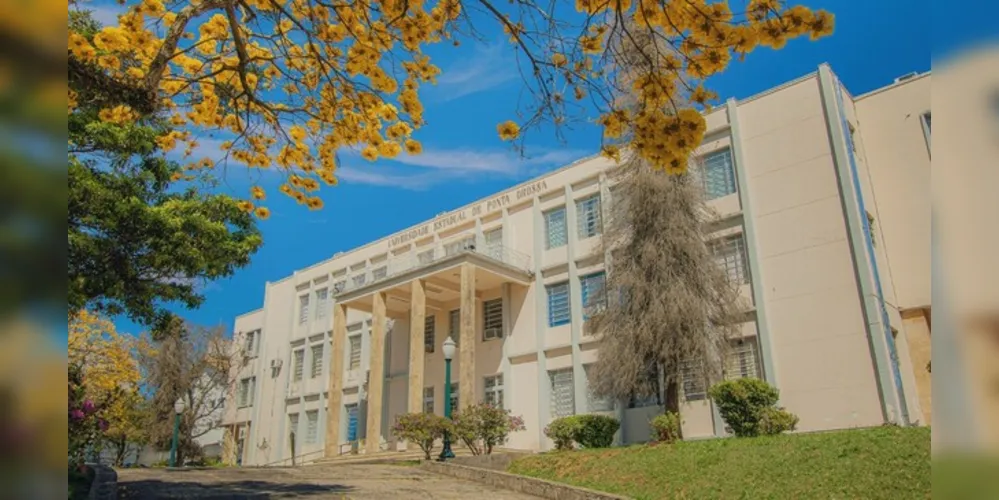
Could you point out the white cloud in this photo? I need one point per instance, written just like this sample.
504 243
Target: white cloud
491 66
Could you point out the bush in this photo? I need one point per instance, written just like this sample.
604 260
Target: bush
483 426
666 427
589 431
424 429
777 421
744 403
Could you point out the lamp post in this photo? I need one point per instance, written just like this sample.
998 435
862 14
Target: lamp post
446 453
178 408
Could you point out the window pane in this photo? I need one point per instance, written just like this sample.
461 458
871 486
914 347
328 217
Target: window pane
717 174
454 397
558 304
593 403
594 296
321 302
588 217
454 325
299 361
694 388
303 309
492 314
317 360
312 426
428 400
494 390
293 424
494 244
429 333
355 353
563 401
730 255
555 228
742 360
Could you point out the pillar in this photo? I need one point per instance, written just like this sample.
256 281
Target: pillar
334 401
417 324
466 346
376 374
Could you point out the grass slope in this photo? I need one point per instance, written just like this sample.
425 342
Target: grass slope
878 463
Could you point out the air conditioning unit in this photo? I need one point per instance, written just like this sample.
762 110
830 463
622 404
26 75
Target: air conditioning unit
493 333
276 362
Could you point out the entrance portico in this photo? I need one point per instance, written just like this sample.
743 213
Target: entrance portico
409 290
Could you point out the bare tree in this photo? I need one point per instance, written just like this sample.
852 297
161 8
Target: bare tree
672 309
195 364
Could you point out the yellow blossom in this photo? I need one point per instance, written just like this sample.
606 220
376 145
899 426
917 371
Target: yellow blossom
508 130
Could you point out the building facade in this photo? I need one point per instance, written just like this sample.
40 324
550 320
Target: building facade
823 222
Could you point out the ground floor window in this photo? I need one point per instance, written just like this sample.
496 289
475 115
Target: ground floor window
563 399
494 390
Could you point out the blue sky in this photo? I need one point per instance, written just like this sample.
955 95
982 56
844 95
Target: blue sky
464 160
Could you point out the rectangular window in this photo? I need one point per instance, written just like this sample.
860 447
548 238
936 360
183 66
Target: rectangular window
251 344
494 243
428 400
317 361
454 324
379 273
360 279
303 309
494 390
588 220
293 425
594 403
653 399
742 360
555 228
492 315
593 290
425 257
563 399
311 426
322 302
927 132
355 353
717 174
429 333
299 360
730 254
454 397
247 387
694 388
558 304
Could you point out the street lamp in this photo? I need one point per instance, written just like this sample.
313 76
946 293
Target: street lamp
178 408
446 453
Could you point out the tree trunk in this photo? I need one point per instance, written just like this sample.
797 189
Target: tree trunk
671 401
121 448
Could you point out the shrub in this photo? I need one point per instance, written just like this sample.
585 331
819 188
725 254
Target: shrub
86 425
483 426
744 402
588 431
666 427
563 431
424 429
777 421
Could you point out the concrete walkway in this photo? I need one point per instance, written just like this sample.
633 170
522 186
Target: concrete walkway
325 481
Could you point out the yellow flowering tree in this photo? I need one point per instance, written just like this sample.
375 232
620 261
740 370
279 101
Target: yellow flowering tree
290 83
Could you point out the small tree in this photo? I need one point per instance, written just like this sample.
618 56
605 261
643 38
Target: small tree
484 426
749 407
424 429
666 427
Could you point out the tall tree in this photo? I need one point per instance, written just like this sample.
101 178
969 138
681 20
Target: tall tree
289 83
192 363
138 242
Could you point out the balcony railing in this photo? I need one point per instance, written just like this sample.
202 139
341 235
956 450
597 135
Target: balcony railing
446 250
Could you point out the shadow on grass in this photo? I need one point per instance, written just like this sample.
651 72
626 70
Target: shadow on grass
229 490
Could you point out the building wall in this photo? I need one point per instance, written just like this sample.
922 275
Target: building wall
817 339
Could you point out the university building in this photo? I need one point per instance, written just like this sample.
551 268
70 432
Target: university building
823 203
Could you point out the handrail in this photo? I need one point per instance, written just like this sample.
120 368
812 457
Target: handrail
303 455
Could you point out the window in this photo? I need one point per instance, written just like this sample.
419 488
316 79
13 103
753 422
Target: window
741 360
558 304
456 247
339 286
429 333
494 243
651 381
428 400
694 387
494 390
247 388
360 279
555 228
454 397
297 364
492 314
927 131
379 273
322 302
730 255
425 257
311 426
293 424
303 309
317 361
454 324
563 400
592 288
355 353
593 403
251 344
588 217
717 174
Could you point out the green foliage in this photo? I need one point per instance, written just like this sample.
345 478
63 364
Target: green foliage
588 431
86 426
424 429
666 427
745 402
483 426
777 421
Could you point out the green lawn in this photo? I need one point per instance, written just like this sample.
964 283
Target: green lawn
879 463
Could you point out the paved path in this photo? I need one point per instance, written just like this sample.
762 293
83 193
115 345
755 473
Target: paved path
326 481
